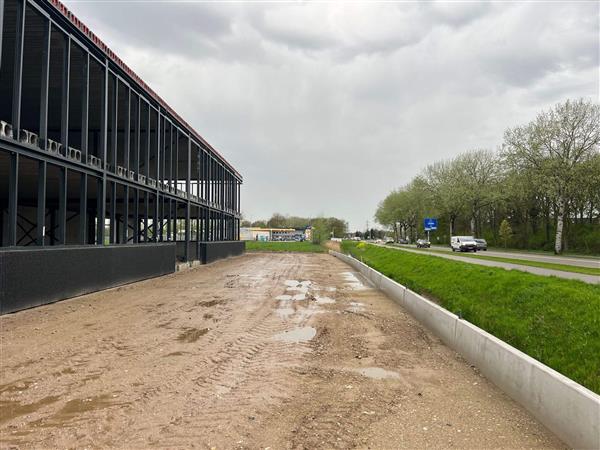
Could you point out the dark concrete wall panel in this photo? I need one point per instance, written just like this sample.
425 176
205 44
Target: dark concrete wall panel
213 251
31 278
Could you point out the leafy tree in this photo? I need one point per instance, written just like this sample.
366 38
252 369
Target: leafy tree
553 145
545 182
277 221
447 190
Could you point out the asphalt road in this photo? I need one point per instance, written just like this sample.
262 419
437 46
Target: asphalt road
592 279
566 260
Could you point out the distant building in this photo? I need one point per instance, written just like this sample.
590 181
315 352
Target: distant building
275 234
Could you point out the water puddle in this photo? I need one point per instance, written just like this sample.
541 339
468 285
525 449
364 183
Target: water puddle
10 409
324 300
297 288
284 313
296 335
356 307
175 354
352 282
377 373
296 297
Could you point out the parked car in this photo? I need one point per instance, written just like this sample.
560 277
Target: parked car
389 241
423 243
403 241
463 244
481 244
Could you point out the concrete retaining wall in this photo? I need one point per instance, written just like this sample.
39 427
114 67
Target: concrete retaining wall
568 409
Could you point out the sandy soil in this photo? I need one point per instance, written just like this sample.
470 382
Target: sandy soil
265 350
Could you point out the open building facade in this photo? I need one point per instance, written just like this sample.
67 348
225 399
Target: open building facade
97 172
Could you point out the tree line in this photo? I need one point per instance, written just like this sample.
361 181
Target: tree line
542 185
323 228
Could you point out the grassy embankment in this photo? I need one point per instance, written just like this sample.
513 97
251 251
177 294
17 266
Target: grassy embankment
525 262
556 321
306 246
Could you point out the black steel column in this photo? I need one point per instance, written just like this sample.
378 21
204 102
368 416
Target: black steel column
41 203
18 69
146 216
1 32
100 211
127 131
113 212
85 108
147 143
103 148
125 214
187 203
83 209
64 126
44 90
62 206
136 218
169 218
13 198
114 127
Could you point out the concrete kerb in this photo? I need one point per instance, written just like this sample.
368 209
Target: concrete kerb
568 409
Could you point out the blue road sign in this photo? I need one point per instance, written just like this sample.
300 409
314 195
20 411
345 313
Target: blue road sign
430 224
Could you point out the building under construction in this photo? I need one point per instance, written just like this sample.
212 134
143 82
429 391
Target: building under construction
101 182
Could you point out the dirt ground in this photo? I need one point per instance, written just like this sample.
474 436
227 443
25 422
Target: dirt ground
260 351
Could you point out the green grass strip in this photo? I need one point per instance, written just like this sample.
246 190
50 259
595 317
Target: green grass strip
306 246
523 262
554 320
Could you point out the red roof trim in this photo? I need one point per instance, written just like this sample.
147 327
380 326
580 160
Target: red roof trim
119 62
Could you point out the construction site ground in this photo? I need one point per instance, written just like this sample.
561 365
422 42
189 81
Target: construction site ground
266 350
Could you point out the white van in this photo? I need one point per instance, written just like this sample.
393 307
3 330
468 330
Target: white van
463 244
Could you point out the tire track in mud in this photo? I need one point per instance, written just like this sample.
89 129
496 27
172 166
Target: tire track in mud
244 370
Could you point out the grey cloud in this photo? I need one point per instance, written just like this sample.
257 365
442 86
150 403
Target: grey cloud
326 108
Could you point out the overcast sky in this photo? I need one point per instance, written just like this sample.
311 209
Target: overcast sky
326 107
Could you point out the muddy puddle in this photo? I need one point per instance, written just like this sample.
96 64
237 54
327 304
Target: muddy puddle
356 307
324 300
377 373
301 334
10 409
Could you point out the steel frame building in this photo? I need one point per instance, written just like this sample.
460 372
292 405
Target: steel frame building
91 157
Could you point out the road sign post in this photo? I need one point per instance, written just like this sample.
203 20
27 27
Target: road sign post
430 224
